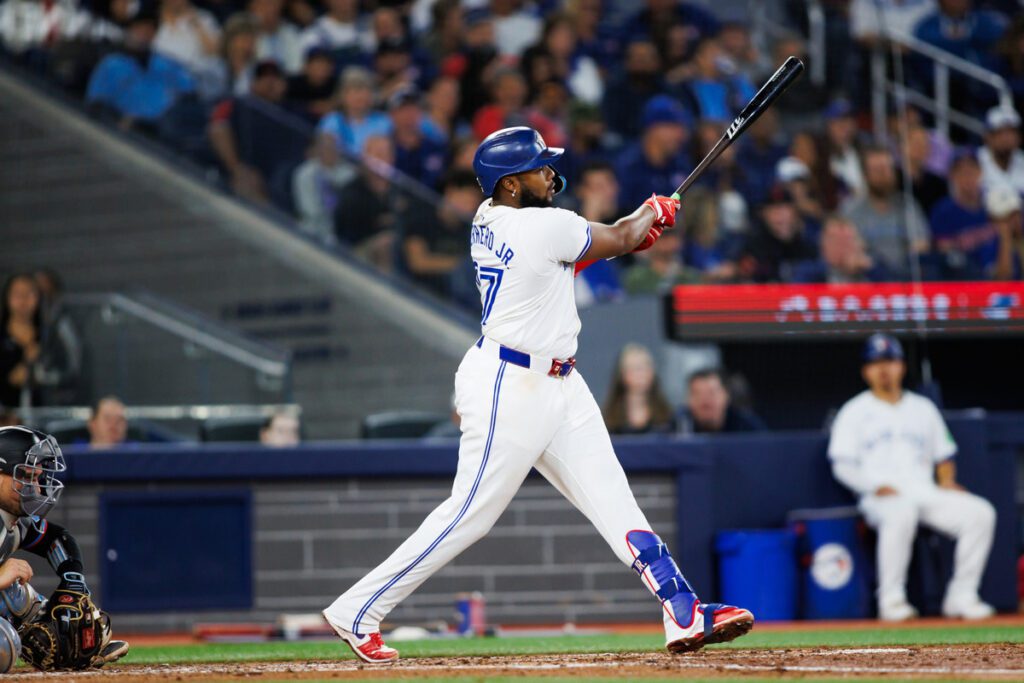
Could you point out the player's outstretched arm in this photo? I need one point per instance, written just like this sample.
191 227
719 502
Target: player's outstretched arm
634 232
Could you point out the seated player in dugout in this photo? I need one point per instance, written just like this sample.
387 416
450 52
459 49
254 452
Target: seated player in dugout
523 405
66 631
892 448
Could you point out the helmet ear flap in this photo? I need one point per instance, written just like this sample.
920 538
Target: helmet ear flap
560 182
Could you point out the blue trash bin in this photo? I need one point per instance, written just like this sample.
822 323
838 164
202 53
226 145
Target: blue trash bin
834 571
757 570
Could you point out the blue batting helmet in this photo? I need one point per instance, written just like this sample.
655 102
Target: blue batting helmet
882 347
513 150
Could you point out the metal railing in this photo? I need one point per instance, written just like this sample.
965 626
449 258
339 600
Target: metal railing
944 66
151 352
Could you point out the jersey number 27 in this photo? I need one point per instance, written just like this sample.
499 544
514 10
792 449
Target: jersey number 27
488 280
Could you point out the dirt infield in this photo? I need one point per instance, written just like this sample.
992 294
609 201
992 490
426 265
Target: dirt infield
961 662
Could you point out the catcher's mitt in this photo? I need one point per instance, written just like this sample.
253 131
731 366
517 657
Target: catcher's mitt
70 633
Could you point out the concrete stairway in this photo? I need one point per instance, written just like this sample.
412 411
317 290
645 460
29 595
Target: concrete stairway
108 215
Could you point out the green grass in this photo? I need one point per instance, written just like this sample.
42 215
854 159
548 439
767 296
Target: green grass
287 651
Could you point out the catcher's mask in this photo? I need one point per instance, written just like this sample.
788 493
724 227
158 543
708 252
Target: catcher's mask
34 461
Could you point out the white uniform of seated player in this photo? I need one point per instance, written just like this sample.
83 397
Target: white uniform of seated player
892 448
523 406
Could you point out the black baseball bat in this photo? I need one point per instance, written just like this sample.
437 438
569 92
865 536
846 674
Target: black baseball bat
769 92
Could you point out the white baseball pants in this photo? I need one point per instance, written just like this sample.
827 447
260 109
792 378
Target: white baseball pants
513 419
966 517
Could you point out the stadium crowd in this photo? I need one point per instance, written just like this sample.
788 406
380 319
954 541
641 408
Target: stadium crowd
358 116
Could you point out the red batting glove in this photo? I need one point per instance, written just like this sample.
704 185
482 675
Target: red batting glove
650 239
664 210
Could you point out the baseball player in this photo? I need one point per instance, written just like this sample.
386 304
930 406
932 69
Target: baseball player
892 448
67 631
524 406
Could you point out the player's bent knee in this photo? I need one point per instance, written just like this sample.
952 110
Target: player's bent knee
10 646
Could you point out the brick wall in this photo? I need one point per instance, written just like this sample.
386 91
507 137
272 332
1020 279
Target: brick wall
541 563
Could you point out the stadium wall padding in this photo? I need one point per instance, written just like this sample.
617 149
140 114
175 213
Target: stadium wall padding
323 513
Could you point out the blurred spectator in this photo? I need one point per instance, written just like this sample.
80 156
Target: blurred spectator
60 362
928 187
191 37
843 160
278 40
243 161
587 141
709 409
636 403
557 51
895 228
442 108
136 83
1003 204
281 430
107 425
969 33
442 36
386 27
844 257
594 37
21 331
727 177
1002 161
658 159
395 67
799 108
960 225
759 152
508 108
417 154
890 447
639 80
355 120
806 176
239 53
312 90
711 92
27 25
9 418
871 19
475 63
739 51
434 242
660 268
316 184
778 242
705 247
660 16
337 30
515 28
368 206
596 193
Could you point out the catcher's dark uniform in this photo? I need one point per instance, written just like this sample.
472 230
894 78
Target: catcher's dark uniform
67 631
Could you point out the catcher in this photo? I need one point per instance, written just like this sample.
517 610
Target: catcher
67 631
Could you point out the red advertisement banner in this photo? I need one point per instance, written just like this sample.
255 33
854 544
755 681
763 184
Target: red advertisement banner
713 310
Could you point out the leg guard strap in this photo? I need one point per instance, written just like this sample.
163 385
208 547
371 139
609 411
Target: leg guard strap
653 555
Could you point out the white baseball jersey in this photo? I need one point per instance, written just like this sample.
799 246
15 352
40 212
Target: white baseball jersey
888 444
524 265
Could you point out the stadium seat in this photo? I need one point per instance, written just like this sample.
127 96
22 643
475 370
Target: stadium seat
232 428
400 424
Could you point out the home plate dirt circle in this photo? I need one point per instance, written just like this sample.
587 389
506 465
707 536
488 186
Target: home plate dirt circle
954 662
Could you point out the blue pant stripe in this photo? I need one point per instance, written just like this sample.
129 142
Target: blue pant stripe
462 512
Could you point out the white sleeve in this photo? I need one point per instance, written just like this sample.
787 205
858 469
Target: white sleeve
844 452
943 445
566 234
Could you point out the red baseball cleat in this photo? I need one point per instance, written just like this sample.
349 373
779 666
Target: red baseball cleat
369 648
710 623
